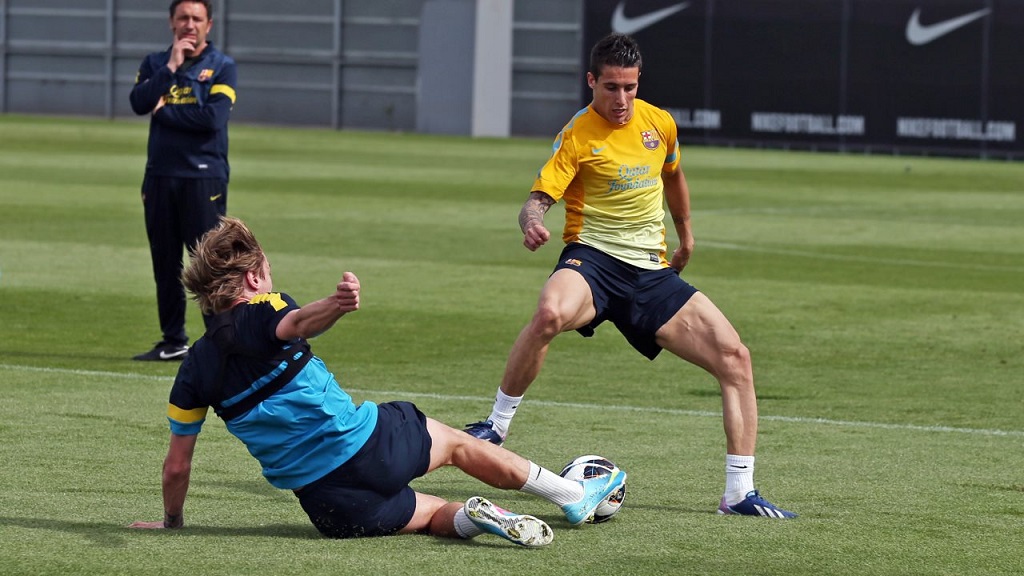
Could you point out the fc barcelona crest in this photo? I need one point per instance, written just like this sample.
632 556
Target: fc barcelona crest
651 141
205 75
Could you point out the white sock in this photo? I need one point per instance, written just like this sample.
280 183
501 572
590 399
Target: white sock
504 409
465 527
739 477
552 487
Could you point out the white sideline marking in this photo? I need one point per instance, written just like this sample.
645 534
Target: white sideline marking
399 394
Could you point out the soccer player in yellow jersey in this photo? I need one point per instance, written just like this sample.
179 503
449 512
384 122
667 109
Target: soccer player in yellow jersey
615 164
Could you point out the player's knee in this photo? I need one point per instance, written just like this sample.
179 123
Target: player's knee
735 364
466 452
442 520
740 354
547 322
446 443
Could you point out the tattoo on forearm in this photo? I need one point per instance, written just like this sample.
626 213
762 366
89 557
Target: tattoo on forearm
534 209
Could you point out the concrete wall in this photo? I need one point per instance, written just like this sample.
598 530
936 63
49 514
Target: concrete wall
332 63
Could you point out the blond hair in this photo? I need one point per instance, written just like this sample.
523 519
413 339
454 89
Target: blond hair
215 275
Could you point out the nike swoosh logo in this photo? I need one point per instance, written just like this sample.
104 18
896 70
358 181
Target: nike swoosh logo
919 35
214 198
630 24
172 355
598 150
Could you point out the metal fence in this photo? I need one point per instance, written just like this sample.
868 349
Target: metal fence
819 74
332 63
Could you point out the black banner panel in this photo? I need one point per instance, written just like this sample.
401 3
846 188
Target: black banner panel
776 70
672 38
1003 97
915 76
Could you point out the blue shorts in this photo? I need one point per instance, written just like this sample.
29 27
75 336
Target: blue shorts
369 495
638 301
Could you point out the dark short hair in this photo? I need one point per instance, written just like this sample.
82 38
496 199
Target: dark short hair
615 50
207 3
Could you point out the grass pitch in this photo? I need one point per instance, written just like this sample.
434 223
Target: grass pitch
881 298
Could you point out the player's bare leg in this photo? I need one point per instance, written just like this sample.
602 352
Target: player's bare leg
474 517
433 515
699 333
484 461
565 304
507 470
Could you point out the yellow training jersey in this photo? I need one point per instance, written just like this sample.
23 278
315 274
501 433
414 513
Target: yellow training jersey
610 177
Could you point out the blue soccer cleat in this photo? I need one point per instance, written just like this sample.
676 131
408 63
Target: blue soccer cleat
595 491
485 431
754 505
519 528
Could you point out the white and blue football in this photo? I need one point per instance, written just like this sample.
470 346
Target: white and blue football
592 466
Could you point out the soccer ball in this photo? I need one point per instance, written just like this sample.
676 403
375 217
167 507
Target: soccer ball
592 466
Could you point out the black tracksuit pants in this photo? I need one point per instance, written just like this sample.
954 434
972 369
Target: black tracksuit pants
178 212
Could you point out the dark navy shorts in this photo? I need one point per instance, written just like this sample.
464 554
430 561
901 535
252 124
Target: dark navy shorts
369 495
638 301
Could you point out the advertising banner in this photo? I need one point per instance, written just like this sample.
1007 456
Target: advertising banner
907 76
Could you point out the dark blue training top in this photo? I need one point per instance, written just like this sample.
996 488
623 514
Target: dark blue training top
300 433
188 136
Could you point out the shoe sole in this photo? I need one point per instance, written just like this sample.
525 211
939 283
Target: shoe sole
521 529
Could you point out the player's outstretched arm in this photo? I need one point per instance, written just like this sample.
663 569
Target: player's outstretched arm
317 317
176 474
531 220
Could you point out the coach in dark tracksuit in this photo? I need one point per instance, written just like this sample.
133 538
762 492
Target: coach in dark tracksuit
189 90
